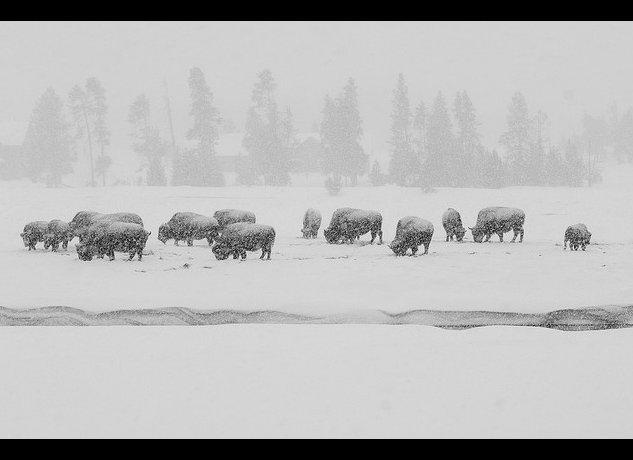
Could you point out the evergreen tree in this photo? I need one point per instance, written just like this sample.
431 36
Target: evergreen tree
441 164
47 143
81 114
469 147
148 143
420 121
204 170
517 139
264 140
376 177
95 95
404 167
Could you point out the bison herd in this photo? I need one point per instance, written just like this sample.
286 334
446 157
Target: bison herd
233 232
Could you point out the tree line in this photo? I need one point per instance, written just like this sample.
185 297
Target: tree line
435 146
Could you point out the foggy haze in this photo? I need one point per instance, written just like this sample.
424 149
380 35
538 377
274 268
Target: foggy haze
561 68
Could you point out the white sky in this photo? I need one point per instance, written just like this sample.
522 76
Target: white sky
562 68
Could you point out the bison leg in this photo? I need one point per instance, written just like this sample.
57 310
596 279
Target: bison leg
426 247
243 254
65 244
414 249
189 241
488 235
373 237
236 255
500 236
565 244
521 236
210 240
132 254
583 246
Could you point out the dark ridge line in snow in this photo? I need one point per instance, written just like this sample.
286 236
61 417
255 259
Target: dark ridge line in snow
579 319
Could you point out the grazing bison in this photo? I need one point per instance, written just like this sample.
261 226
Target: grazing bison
227 217
103 238
311 223
452 222
348 224
498 220
240 237
57 232
33 233
577 235
84 219
188 226
411 232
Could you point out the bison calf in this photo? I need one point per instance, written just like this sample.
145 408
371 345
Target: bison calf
57 232
452 223
106 238
578 236
33 233
189 226
240 237
311 223
498 220
411 232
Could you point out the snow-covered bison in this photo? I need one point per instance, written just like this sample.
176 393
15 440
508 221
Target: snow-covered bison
578 236
411 232
452 223
57 231
311 223
84 219
498 220
189 226
348 224
240 237
33 233
227 217
104 238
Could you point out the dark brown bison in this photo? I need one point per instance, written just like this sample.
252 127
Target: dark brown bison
189 226
311 223
240 237
411 232
577 235
57 231
227 217
84 219
498 220
348 224
104 238
33 233
452 222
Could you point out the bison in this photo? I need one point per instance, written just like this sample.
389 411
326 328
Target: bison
227 217
33 233
577 235
84 219
498 220
240 237
104 238
452 222
189 226
411 232
57 232
311 223
348 224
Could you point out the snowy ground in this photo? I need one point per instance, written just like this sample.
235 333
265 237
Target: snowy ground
310 276
322 380
315 381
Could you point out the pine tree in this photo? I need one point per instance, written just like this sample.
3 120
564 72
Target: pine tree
420 121
205 170
148 143
469 147
517 139
47 143
95 94
264 140
404 167
441 164
80 111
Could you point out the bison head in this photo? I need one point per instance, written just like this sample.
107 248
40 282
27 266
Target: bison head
459 233
85 252
25 239
478 234
398 248
164 233
220 251
331 235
